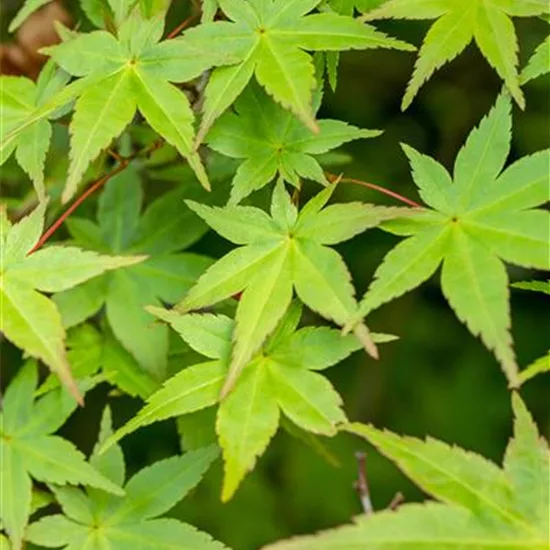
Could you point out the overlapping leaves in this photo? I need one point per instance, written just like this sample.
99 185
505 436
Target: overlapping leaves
29 319
272 141
268 40
483 218
19 97
95 519
283 252
488 22
282 376
28 450
121 74
165 227
482 506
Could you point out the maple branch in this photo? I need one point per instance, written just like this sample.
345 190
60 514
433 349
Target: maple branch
124 163
396 501
184 24
393 194
361 485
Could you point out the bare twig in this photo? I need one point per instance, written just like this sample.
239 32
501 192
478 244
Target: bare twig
396 501
183 25
361 485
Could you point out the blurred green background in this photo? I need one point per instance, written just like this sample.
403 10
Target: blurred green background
437 379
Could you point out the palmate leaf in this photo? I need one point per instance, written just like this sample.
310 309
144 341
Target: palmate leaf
268 39
280 377
132 71
30 451
29 319
20 97
272 141
165 228
487 22
482 218
483 506
283 252
130 521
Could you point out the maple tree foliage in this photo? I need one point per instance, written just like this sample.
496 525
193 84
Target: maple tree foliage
208 281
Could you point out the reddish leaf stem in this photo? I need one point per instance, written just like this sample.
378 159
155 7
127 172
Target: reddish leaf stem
184 24
378 188
362 485
55 226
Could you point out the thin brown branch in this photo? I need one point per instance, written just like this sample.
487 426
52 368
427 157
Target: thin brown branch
124 163
183 25
375 187
361 485
396 501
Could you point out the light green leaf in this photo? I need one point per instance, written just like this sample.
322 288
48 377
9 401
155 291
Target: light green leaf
538 64
168 112
247 420
537 286
527 465
307 398
156 489
475 283
269 40
15 496
262 305
55 530
192 389
101 114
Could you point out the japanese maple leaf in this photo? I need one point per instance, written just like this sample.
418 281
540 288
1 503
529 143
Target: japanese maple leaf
539 62
96 519
29 450
282 376
482 218
20 97
130 71
29 319
165 228
488 22
272 141
282 253
268 39
481 505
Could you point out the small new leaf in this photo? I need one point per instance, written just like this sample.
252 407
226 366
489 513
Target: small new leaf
271 141
487 22
480 218
29 319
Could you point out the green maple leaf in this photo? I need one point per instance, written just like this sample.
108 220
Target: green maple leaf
28 450
482 218
268 39
488 22
348 7
29 319
97 520
483 507
20 97
539 62
282 376
125 73
282 253
272 141
165 227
